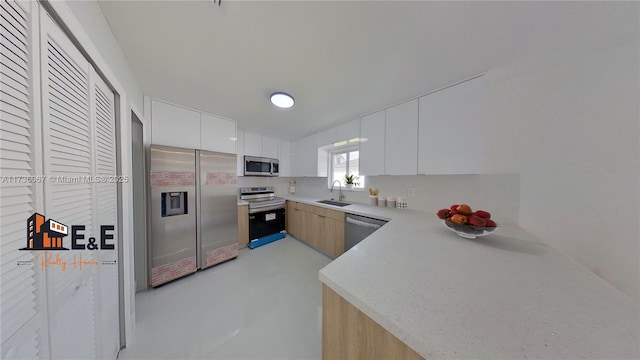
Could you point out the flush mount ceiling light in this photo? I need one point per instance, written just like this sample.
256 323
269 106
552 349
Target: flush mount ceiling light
282 100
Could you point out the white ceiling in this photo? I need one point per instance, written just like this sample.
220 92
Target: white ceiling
339 59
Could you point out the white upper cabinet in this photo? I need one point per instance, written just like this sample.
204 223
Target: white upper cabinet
305 156
217 134
348 131
240 158
327 137
372 129
401 140
252 144
270 147
284 158
451 136
174 125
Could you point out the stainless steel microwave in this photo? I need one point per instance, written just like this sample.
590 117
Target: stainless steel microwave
258 166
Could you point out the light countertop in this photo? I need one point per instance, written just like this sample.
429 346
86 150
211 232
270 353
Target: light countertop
503 296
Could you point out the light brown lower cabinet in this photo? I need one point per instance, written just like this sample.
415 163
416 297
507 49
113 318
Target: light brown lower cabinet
243 225
319 227
330 235
347 333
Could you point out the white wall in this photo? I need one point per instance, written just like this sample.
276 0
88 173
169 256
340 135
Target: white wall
570 128
95 25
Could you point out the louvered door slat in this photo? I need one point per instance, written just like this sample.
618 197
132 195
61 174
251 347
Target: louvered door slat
15 129
18 50
61 77
12 275
15 17
13 164
15 200
9 286
15 155
64 121
9 219
59 59
17 85
15 109
69 158
68 98
60 99
10 257
19 332
11 52
14 41
15 23
13 120
62 142
16 11
71 192
8 92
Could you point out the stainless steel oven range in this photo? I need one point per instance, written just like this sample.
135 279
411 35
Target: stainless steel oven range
266 215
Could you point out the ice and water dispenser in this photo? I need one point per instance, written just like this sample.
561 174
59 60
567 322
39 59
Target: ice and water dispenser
174 203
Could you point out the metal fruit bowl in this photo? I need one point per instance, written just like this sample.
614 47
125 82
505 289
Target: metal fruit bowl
468 231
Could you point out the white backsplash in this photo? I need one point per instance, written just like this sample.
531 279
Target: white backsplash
498 193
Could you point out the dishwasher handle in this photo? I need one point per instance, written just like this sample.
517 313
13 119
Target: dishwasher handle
363 223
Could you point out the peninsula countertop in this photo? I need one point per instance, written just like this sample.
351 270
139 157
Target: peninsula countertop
503 296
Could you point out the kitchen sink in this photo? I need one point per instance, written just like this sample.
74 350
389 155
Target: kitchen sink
333 202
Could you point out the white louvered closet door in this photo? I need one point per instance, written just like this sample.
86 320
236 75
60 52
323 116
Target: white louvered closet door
21 323
67 145
105 200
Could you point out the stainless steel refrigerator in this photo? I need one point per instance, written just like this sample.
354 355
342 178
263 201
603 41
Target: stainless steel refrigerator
194 221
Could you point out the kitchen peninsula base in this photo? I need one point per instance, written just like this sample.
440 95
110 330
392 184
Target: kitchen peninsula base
347 333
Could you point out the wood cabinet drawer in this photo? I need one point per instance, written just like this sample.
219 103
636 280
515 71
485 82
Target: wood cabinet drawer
329 213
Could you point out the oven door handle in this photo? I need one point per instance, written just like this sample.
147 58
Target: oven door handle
266 208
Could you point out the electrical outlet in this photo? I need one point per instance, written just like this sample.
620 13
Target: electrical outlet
411 191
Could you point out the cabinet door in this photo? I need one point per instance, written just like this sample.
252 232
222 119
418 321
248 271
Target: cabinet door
252 144
348 131
327 137
401 141
270 147
284 157
307 156
240 148
310 228
217 134
289 223
174 125
330 231
453 113
372 144
335 237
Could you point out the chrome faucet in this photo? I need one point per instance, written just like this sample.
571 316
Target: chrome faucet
340 194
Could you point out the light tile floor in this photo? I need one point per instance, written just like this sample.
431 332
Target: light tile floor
266 304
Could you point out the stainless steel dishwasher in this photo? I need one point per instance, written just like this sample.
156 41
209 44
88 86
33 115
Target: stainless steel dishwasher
357 228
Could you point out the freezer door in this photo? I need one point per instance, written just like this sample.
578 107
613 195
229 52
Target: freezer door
218 215
173 213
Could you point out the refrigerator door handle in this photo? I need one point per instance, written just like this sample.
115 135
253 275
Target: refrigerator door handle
198 210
